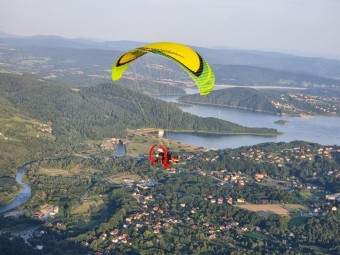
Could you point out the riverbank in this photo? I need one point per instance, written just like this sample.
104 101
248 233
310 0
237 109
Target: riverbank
23 195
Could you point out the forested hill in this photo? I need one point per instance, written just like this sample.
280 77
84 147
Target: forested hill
243 98
104 110
253 75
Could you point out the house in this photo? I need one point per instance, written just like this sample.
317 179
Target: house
259 176
335 196
46 211
38 214
240 200
114 232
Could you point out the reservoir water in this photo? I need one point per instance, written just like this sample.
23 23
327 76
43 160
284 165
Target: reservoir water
24 194
324 130
120 150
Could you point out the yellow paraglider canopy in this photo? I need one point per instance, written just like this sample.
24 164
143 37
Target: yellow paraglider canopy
187 58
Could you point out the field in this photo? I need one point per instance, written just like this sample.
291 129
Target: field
139 142
297 221
270 209
64 172
120 179
86 205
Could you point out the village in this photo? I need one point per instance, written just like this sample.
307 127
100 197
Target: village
157 218
316 104
152 216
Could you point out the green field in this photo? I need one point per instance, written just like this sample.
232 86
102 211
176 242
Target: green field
85 206
256 235
297 221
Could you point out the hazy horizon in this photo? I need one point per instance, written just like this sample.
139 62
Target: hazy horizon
305 27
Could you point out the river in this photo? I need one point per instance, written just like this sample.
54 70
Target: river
24 194
319 129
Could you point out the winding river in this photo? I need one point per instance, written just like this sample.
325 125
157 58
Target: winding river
24 194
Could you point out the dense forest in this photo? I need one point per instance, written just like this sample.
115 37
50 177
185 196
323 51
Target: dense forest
105 110
243 98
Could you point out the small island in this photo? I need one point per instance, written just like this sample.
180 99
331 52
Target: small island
281 122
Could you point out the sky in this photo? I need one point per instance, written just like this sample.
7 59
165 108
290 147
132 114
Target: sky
291 26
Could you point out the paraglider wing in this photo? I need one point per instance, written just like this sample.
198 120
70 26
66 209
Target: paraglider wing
164 156
165 159
152 160
187 58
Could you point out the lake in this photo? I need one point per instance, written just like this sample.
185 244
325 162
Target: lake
324 130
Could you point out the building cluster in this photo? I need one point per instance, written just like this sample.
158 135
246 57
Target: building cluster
320 209
287 155
110 143
226 177
333 197
218 200
319 104
155 221
143 184
46 211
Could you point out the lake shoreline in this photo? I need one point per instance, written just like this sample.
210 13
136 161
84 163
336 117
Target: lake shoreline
301 115
225 133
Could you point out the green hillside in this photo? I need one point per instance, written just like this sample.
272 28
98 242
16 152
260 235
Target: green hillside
104 110
243 98
292 103
40 119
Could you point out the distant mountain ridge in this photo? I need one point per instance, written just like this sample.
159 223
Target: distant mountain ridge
329 68
253 75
